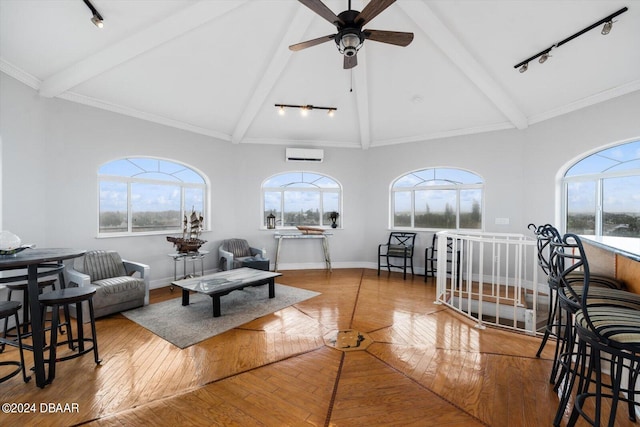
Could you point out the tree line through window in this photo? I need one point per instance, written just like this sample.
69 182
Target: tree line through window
438 198
142 195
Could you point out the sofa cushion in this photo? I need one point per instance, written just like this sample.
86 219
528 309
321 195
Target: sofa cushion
103 265
116 290
114 285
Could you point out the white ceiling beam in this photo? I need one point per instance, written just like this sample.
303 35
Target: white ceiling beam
143 41
430 24
362 98
295 31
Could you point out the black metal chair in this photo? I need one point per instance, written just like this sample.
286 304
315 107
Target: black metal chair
606 326
62 298
557 320
431 258
10 309
399 245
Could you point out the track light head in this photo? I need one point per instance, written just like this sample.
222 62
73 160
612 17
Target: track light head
543 58
97 21
606 29
524 67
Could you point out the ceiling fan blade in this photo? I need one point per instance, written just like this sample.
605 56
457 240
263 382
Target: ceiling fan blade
303 45
321 9
397 38
350 61
371 10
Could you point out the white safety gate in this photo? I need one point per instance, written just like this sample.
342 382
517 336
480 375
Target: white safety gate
498 281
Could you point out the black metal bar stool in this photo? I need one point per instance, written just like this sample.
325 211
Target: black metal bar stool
606 327
44 271
559 319
62 298
8 309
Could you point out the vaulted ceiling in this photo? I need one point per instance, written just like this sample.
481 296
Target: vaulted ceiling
217 67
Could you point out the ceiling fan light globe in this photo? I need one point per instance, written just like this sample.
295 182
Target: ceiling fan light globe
350 51
349 44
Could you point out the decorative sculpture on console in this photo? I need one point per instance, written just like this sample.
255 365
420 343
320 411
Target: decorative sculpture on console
191 230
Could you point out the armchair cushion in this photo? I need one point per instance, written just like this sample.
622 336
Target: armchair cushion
233 252
238 247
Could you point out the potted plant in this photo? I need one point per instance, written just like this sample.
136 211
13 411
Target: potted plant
333 216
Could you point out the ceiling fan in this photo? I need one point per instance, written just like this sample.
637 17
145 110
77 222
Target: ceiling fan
350 35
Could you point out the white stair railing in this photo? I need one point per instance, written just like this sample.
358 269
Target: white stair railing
499 278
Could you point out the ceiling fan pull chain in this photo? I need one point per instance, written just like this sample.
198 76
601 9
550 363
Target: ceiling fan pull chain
351 81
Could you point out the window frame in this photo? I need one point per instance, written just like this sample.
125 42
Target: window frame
457 187
597 178
287 188
131 180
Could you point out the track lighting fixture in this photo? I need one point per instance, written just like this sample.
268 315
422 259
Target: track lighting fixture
97 19
304 109
544 55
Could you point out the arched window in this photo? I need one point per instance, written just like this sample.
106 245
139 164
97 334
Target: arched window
602 193
147 195
301 198
437 198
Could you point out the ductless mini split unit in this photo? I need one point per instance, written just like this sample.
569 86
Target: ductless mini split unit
304 155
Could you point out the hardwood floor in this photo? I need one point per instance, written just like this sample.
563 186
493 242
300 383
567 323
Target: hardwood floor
427 366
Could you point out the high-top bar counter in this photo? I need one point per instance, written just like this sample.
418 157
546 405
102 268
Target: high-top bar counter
615 256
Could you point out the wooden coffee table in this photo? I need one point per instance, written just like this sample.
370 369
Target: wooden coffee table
224 282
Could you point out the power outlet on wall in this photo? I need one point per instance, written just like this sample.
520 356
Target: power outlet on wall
502 221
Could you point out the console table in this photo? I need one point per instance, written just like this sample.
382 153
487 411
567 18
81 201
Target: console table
324 238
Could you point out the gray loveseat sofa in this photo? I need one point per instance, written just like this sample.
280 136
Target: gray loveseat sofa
120 284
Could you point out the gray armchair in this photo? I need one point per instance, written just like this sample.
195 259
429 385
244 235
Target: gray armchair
117 289
233 252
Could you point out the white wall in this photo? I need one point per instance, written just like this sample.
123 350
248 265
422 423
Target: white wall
52 149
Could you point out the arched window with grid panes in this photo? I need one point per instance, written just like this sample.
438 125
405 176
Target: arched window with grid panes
437 199
144 195
602 193
301 198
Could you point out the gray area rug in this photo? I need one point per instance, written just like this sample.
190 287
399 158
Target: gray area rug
185 326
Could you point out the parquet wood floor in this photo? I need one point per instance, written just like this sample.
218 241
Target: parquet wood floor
427 366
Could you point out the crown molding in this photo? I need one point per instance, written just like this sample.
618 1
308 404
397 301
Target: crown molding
587 102
20 75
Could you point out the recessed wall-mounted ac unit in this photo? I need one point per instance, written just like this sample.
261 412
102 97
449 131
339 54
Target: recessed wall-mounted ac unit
304 155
